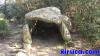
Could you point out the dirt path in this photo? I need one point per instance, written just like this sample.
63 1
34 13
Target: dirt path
45 44
11 44
45 48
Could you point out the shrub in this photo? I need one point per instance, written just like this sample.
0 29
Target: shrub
3 25
87 19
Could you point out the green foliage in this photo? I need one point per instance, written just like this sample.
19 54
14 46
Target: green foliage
3 25
87 20
13 10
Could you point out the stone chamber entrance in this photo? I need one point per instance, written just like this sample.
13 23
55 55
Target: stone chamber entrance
46 31
46 39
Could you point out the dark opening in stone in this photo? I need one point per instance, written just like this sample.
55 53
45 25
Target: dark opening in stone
46 32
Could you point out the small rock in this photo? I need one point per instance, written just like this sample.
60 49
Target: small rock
2 54
21 54
78 44
60 47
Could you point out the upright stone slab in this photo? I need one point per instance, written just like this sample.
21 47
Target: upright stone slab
27 41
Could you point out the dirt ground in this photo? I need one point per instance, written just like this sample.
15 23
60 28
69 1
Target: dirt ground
12 43
41 46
